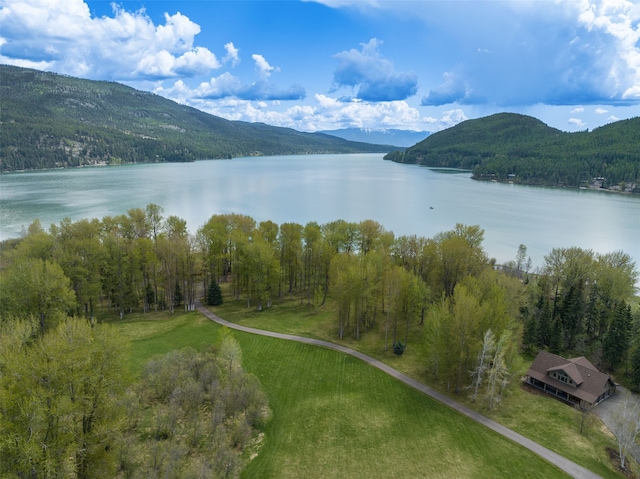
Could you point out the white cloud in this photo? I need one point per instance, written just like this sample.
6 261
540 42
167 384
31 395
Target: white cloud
262 66
227 85
579 109
619 22
577 123
232 56
63 36
601 111
374 76
327 113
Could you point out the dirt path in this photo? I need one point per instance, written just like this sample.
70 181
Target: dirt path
571 468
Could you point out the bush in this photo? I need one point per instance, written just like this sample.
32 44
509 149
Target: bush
399 347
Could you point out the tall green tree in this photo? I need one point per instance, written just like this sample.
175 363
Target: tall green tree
61 418
618 339
35 287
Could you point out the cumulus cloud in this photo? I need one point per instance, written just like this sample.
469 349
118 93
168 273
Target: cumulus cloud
452 90
63 36
227 85
327 113
232 56
577 123
601 111
602 62
373 76
263 68
558 53
578 109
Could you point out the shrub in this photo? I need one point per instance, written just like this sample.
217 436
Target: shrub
398 348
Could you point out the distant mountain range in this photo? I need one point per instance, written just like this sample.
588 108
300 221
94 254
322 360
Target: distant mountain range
53 121
401 138
522 149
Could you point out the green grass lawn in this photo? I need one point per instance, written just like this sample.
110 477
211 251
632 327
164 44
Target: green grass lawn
334 416
539 417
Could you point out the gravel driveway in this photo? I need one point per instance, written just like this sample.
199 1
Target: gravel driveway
605 409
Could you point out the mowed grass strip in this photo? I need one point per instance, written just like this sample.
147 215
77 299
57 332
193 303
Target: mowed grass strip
334 416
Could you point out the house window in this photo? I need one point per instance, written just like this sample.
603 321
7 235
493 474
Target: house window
560 376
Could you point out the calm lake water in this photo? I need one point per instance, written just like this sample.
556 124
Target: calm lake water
405 199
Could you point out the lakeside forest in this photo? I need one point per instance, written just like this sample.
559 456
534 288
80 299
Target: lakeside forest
521 149
371 282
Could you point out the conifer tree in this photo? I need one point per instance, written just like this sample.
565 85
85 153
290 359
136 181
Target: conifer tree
616 341
214 294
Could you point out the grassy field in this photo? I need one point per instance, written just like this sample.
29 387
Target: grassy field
548 422
333 416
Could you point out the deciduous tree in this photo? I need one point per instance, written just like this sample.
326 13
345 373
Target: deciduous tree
60 413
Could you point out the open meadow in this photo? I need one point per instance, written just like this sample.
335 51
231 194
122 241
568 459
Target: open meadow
334 416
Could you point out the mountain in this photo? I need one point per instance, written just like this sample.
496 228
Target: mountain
50 120
522 149
397 138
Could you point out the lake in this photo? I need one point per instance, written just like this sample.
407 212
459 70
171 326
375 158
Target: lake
405 199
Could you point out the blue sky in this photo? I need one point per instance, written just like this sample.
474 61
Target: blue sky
329 64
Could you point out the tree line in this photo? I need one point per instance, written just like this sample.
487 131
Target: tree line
472 314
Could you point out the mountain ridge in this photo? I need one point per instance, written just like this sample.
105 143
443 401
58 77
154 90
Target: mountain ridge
51 121
522 149
393 137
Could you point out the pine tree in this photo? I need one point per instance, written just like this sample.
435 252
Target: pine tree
616 342
214 294
178 294
635 367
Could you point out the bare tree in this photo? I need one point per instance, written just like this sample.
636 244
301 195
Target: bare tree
626 424
482 362
585 409
498 373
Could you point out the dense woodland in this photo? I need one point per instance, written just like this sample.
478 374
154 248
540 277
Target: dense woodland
575 303
53 121
522 149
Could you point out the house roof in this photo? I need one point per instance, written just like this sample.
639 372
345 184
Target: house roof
590 383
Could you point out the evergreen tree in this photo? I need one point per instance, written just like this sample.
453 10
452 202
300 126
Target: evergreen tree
556 338
635 368
617 340
177 297
214 294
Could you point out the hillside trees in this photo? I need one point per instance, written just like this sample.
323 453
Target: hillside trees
522 149
58 121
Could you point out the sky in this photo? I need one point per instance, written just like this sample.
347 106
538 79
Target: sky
330 64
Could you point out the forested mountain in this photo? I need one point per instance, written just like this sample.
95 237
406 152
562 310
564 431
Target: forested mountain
51 120
522 149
